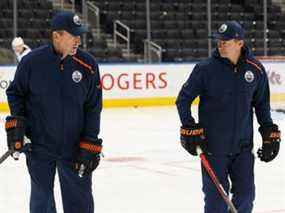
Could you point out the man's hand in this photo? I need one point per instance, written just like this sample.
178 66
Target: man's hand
191 137
88 157
271 138
15 129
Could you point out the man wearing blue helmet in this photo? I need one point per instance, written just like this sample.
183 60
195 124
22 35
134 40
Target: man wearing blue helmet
231 84
55 100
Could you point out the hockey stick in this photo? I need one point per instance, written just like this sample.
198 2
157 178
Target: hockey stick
215 180
6 155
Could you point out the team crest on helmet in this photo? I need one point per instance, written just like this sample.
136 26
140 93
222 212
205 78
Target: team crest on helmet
249 76
76 20
76 76
223 28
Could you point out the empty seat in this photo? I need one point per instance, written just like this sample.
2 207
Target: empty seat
199 24
172 55
202 43
273 34
189 43
156 25
174 34
157 34
172 44
246 25
258 42
115 6
6 4
200 53
7 13
140 24
180 16
187 34
155 15
3 34
170 24
115 52
275 43
140 15
197 16
201 33
41 14
235 8
142 6
248 17
199 7
167 7
219 16
27 5
5 23
258 25
187 52
129 7
97 52
236 16
180 7
140 34
222 8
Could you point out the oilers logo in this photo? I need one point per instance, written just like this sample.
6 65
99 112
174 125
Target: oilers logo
223 28
76 76
76 20
249 76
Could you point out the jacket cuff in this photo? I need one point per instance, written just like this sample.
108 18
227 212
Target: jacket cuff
91 146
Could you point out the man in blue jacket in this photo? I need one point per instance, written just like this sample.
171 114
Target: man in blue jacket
55 100
230 84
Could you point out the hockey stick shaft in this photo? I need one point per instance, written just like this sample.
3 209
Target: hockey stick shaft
6 155
215 180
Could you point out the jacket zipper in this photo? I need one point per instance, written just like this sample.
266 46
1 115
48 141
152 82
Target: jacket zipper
61 67
235 108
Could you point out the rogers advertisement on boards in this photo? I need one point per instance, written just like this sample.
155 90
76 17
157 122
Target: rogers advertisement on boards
148 81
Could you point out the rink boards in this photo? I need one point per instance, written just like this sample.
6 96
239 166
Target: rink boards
149 85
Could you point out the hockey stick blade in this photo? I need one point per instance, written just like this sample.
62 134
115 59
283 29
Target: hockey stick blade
6 155
16 154
215 180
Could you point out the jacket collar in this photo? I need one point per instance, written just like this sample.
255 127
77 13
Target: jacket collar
55 55
245 54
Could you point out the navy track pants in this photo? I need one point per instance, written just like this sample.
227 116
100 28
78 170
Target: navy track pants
76 192
239 170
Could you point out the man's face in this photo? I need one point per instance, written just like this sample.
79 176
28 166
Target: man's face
19 49
66 43
229 47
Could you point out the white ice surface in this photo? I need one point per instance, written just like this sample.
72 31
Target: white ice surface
145 170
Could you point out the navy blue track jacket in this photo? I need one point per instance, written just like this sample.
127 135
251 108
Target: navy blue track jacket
228 93
60 99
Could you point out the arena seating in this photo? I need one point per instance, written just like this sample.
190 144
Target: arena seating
33 21
180 27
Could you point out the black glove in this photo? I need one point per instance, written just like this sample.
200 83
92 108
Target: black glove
191 137
271 138
88 157
15 128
